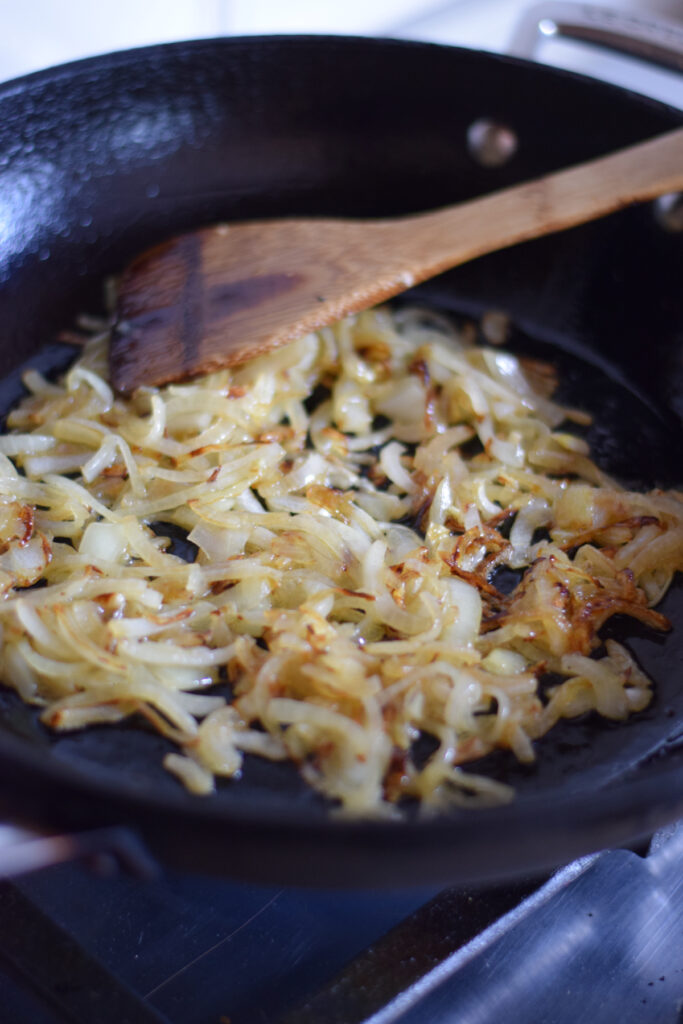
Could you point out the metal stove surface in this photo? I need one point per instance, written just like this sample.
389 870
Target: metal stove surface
600 941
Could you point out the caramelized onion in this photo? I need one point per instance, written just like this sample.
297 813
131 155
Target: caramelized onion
347 498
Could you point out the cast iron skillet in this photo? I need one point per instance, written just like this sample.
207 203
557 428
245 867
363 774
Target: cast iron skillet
102 158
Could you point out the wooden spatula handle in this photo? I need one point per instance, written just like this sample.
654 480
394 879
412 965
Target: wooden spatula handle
226 294
448 237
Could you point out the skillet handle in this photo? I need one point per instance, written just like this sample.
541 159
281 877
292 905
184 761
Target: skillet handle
633 33
24 849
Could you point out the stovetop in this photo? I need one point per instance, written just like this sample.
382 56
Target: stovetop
600 941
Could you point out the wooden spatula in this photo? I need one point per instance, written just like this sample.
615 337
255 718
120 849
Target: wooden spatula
225 294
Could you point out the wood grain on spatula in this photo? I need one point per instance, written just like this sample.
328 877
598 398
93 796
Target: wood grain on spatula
225 294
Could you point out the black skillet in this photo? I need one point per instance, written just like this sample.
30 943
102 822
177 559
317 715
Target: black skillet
102 158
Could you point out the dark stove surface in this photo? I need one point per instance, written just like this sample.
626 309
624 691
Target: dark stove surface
600 941
192 949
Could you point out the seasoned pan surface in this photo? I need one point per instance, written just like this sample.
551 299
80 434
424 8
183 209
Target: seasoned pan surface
103 158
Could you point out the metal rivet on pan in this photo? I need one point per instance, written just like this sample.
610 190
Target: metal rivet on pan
490 143
669 211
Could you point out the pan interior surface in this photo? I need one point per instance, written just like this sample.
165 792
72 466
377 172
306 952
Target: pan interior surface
103 159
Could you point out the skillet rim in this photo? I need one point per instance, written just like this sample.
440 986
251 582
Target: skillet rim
114 58
281 845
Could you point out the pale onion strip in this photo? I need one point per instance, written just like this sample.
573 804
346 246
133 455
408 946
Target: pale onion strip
25 444
291 712
32 622
160 652
77 494
109 449
199 704
41 465
195 778
79 374
37 384
83 646
77 430
261 743
49 668
66 717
